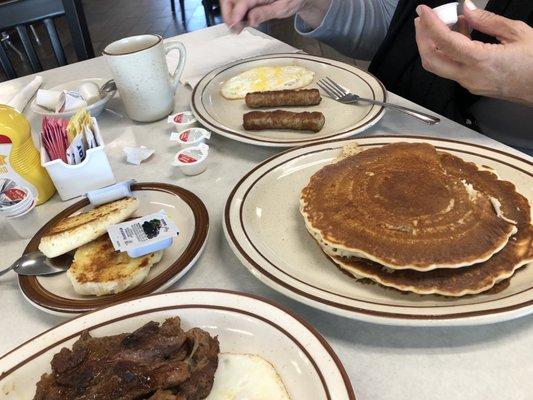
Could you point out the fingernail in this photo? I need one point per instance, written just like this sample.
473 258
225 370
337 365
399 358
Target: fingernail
470 5
419 10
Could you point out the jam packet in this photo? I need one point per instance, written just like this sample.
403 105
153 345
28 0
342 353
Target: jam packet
144 235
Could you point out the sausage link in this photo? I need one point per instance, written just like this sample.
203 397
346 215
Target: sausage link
302 121
278 98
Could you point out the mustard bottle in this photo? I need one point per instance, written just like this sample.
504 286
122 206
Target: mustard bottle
19 159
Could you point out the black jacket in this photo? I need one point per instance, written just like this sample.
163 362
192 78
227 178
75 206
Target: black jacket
398 65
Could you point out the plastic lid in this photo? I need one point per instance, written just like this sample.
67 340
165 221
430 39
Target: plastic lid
181 118
191 155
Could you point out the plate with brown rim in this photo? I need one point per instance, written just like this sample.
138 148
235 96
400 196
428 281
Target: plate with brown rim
55 294
224 116
243 323
266 231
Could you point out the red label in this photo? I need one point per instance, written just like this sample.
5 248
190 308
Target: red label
4 139
178 119
185 135
15 194
184 158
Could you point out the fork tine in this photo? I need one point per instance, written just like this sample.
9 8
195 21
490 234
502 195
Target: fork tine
339 87
332 88
326 89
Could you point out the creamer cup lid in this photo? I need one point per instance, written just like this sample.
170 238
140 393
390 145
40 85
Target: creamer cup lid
181 118
190 135
191 155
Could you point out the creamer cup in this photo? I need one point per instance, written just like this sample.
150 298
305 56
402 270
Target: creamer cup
192 160
20 207
447 13
21 216
182 120
191 137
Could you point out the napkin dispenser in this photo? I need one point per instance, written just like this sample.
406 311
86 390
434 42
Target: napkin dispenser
94 172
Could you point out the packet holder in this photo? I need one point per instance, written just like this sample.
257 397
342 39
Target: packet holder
94 172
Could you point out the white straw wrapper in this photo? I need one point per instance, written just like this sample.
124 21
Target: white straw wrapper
21 99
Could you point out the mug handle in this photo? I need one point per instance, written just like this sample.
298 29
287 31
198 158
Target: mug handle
175 77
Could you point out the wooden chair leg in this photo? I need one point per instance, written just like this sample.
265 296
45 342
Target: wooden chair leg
55 41
173 7
182 9
6 64
28 48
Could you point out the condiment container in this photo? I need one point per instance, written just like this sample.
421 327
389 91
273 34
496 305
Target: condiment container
191 137
182 120
143 235
192 160
22 216
447 13
94 172
90 91
19 159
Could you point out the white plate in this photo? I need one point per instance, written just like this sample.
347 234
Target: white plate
266 231
94 109
342 120
54 293
243 323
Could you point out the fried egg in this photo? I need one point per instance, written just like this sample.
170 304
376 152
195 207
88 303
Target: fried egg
246 377
260 79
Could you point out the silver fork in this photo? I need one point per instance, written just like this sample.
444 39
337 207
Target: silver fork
340 94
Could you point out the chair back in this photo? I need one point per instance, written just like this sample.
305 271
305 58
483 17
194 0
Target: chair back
19 14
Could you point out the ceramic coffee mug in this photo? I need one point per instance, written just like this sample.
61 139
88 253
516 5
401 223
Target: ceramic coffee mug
140 71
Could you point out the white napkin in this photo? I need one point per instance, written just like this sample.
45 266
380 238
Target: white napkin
47 98
204 56
137 154
21 99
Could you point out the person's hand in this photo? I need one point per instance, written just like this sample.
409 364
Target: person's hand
239 13
501 70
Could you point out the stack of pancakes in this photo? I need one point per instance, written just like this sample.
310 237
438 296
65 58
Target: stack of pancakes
418 220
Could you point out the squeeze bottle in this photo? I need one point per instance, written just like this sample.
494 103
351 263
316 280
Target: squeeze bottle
19 159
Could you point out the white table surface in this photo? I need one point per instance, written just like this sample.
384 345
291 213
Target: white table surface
383 362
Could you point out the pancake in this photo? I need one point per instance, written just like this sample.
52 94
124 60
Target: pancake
396 205
474 279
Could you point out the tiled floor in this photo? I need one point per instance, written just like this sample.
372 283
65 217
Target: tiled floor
112 20
109 20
